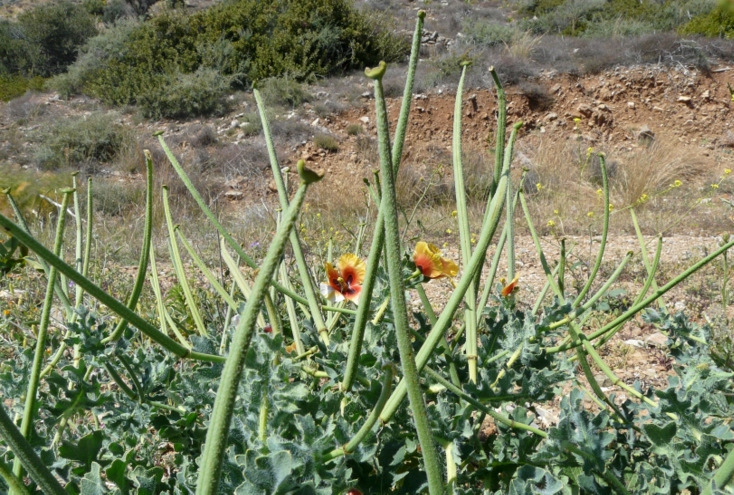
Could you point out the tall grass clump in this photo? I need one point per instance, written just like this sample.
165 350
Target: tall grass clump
280 376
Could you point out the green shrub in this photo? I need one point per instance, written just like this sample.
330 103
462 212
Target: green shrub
718 23
12 86
186 95
326 142
96 54
85 141
246 40
354 129
485 33
48 37
112 198
284 91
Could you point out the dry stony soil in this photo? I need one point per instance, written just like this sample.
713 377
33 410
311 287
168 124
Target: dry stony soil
615 107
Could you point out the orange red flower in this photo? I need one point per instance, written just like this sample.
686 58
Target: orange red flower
345 280
429 260
509 287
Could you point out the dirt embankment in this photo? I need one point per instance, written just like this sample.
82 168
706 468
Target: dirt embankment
615 109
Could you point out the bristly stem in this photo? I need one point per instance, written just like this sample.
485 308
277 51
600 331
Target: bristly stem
27 457
397 291
444 320
40 351
221 417
378 237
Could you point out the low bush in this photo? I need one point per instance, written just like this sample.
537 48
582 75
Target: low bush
284 91
12 86
84 142
326 142
185 95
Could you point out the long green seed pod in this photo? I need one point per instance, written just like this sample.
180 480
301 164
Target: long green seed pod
470 298
378 237
216 437
179 268
144 252
444 320
27 456
397 290
46 268
96 292
499 154
40 351
605 232
643 253
303 271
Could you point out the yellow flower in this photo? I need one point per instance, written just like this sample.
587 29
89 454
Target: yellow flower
551 223
539 186
590 214
577 119
677 183
448 231
555 211
727 171
429 260
714 186
611 206
599 192
454 213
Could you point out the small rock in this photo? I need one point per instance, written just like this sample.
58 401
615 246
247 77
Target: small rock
656 340
679 306
685 99
365 120
315 122
556 88
234 124
366 94
634 343
584 110
603 380
706 95
631 104
551 116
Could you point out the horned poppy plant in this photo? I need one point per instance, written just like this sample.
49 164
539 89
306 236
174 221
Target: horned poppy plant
431 262
509 287
345 280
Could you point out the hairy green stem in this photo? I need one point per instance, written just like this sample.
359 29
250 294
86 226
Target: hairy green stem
16 485
444 321
221 417
397 291
178 267
28 458
378 237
